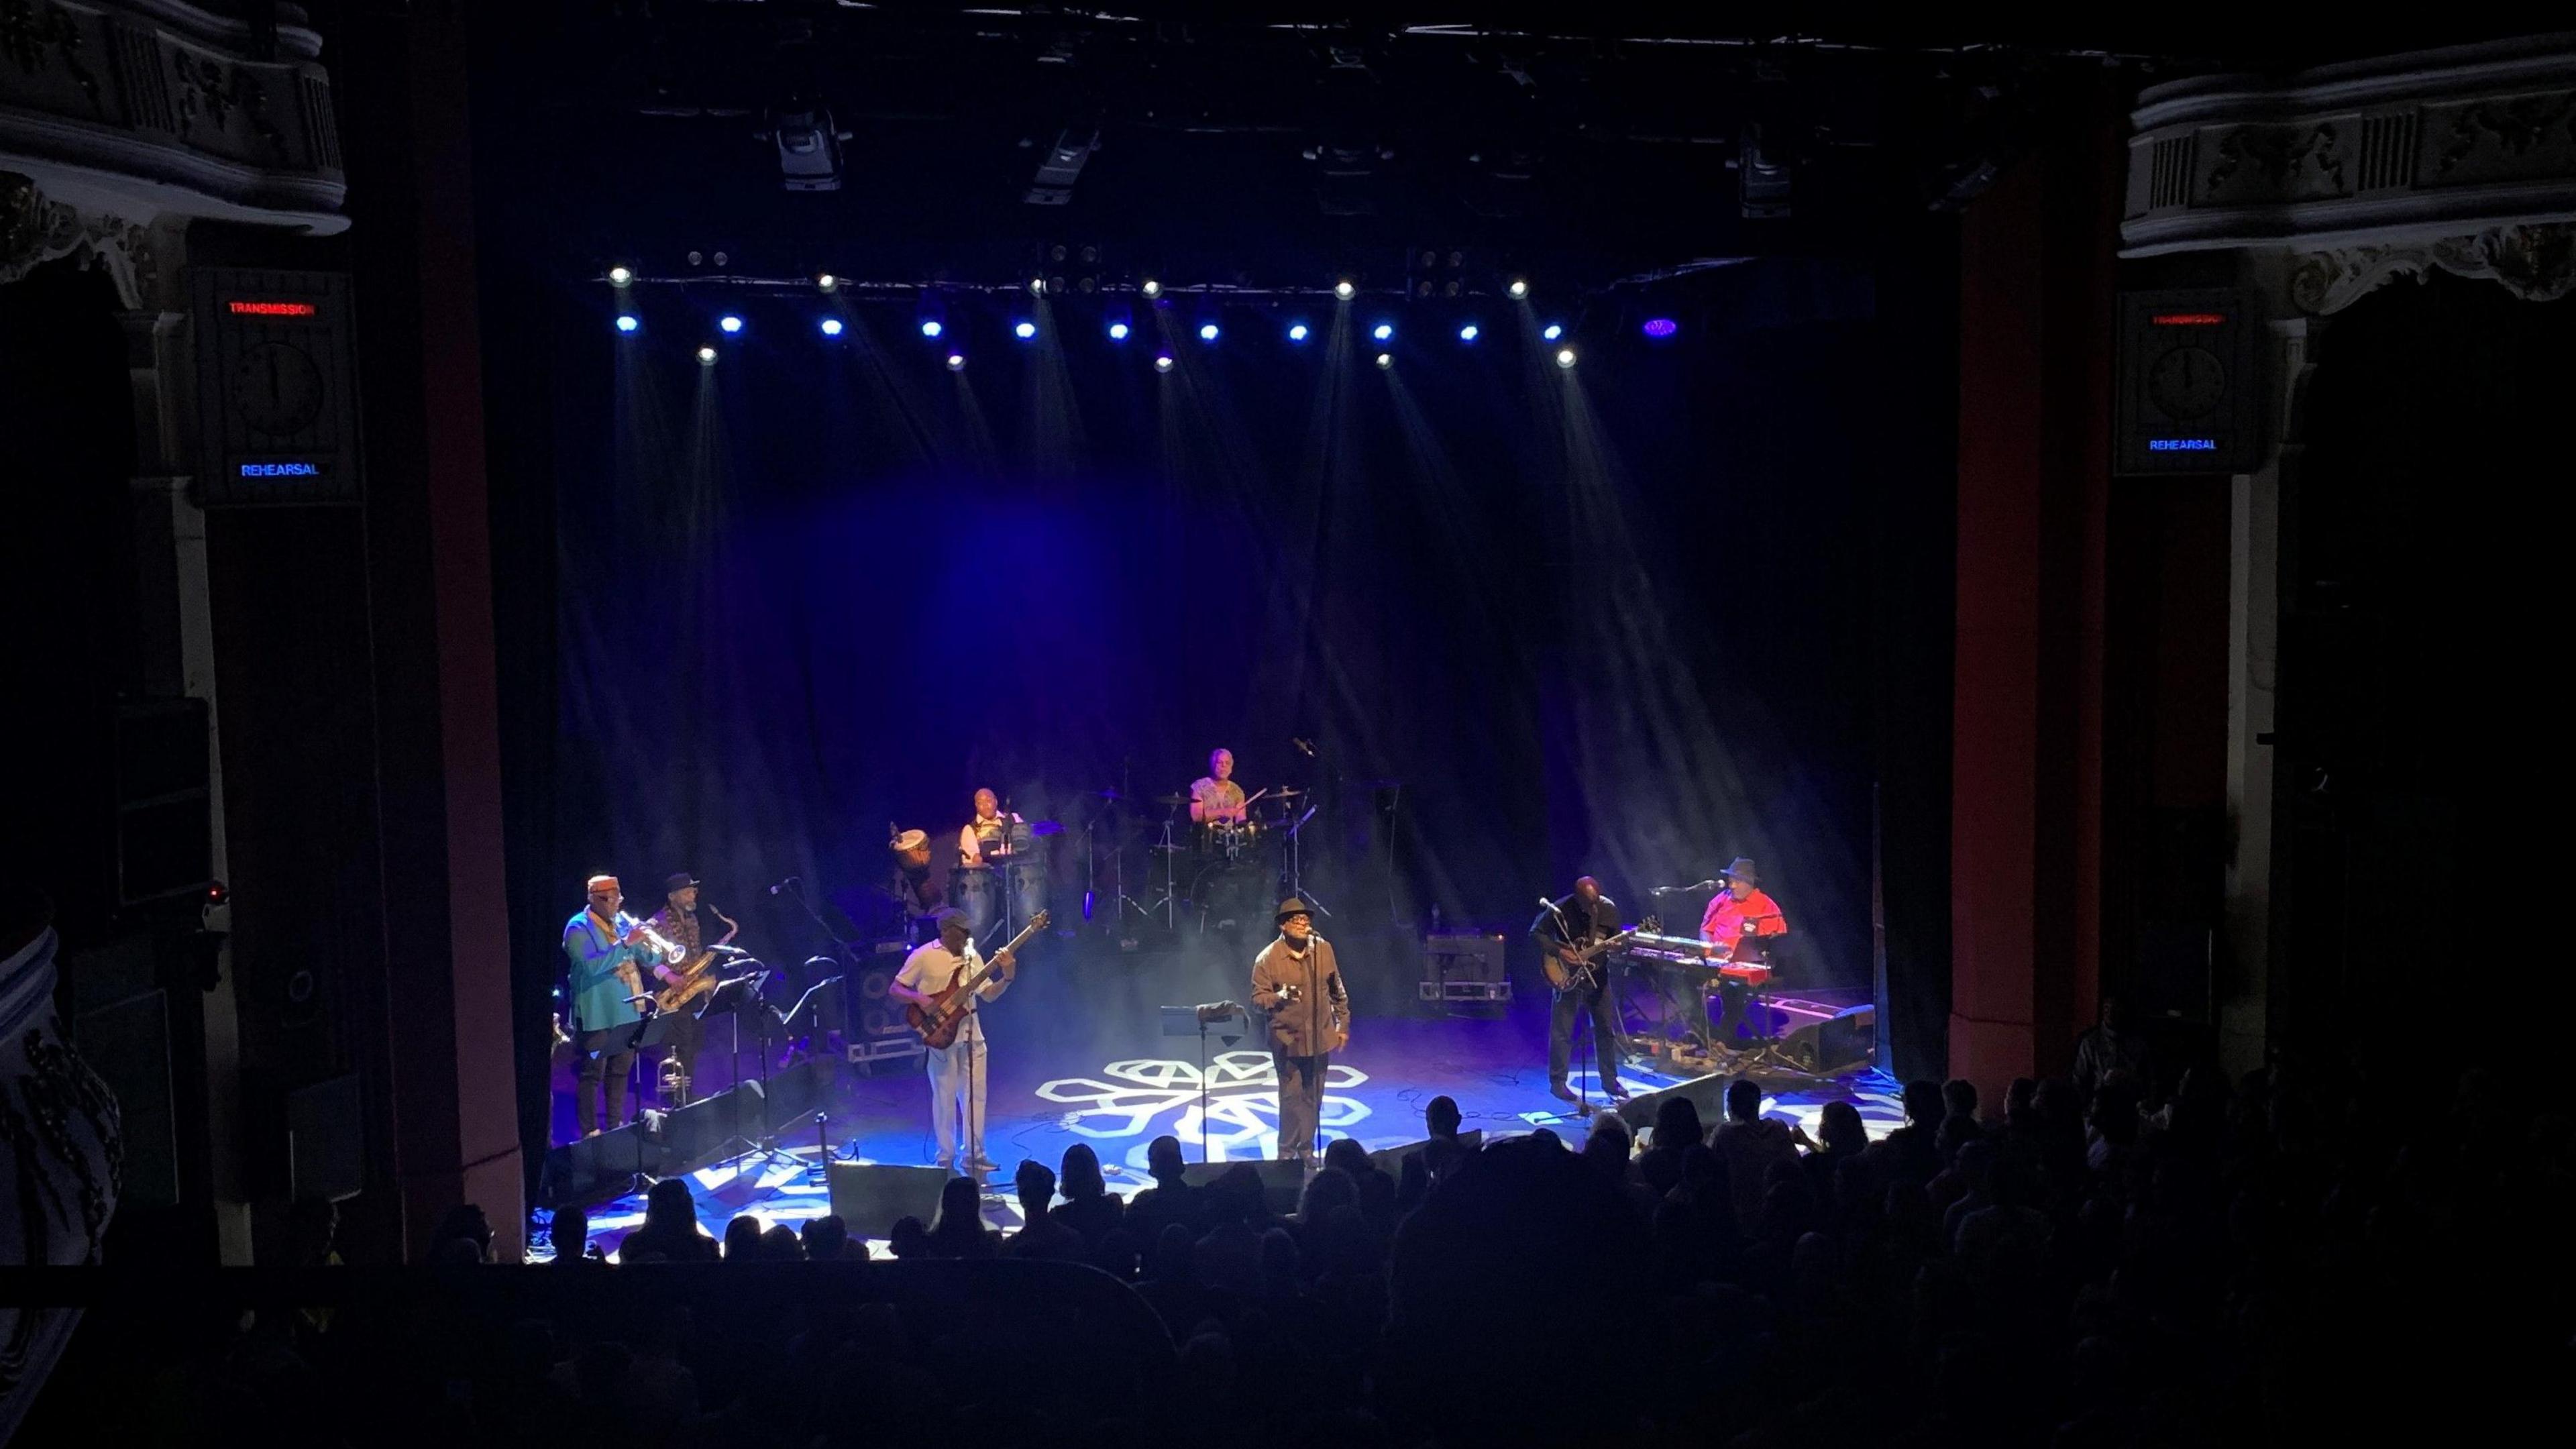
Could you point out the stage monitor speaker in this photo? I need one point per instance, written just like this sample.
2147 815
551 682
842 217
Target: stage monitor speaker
1707 1093
870 1198
1282 1179
1842 1042
1390 1160
595 1169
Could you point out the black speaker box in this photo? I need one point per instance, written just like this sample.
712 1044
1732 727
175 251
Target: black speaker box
1846 1040
595 1169
869 1198
1282 1180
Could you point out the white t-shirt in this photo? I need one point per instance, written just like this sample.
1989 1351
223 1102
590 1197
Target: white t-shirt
931 970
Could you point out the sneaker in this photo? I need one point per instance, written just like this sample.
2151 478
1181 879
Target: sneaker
1561 1089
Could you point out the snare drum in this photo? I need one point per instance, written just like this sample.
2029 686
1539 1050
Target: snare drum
1231 840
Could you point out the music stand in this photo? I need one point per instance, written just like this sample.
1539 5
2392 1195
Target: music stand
734 997
1195 1021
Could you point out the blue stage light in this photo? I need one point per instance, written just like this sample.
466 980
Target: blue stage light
707 355
1662 327
1163 362
1024 330
729 322
831 326
1117 331
1386 359
1383 332
1207 332
957 362
1552 332
1467 333
1297 332
629 322
930 327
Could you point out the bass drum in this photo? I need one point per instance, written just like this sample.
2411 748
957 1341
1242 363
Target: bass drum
1233 895
976 890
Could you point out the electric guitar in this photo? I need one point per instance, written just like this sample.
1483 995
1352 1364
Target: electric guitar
1583 970
940 1021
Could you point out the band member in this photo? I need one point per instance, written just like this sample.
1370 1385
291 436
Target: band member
607 948
1297 980
956 1070
989 833
1740 927
677 923
1583 917
1215 796
914 887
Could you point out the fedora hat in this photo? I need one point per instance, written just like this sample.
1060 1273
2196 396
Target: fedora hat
679 880
1293 907
1741 868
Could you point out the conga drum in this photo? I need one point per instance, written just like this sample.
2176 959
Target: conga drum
976 890
1028 875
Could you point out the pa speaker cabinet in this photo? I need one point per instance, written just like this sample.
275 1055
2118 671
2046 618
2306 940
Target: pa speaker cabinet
870 1198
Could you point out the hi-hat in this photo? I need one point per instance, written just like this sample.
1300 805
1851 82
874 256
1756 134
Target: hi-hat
1171 799
1045 827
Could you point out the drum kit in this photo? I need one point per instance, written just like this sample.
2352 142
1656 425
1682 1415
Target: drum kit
1235 870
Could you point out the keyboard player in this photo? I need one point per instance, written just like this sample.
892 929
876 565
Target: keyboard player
1740 927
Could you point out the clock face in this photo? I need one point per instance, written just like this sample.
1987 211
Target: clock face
276 389
2187 383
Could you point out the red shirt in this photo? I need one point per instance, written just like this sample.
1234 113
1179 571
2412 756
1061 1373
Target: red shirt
1724 925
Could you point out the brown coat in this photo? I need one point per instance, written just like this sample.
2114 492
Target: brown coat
1304 1027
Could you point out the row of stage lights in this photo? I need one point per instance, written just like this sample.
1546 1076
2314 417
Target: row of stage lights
1209 332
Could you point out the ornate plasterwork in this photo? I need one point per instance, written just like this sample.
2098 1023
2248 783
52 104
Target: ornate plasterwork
176 109
2397 151
36 228
2535 263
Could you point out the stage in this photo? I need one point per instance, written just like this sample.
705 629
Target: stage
1115 1082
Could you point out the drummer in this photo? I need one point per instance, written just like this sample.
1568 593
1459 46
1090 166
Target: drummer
1217 797
989 833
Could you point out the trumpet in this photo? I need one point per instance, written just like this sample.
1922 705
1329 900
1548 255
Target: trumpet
670 951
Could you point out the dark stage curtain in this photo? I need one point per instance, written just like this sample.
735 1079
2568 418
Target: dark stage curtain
1624 619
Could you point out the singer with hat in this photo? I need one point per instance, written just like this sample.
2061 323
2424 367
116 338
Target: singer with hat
1299 982
1740 927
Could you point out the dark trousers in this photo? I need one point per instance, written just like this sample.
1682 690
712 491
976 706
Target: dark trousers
1685 1004
602 1068
1301 1095
1594 999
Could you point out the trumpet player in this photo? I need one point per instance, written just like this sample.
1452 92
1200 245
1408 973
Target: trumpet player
606 947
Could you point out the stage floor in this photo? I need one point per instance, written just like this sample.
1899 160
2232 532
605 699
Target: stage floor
1120 1094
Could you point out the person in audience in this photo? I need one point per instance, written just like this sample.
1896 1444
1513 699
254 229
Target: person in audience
1677 1128
908 1238
742 1239
959 1231
780 1244
569 1235
1751 1144
1040 1235
2113 1045
670 1233
1228 1254
1171 1200
1911 1151
464 1235
1088 1207
827 1239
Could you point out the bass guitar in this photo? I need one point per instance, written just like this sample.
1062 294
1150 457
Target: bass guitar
940 1021
1584 969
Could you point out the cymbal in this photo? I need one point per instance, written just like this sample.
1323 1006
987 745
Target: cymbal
1283 792
1045 827
1171 799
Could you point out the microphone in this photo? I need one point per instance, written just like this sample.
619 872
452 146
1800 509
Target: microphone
1304 747
782 885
